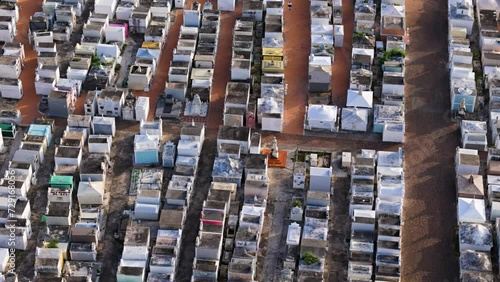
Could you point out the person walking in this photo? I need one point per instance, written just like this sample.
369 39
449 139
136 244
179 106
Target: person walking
289 6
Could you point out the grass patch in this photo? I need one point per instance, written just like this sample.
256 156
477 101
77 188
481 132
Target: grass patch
124 46
300 157
95 62
476 55
52 244
479 75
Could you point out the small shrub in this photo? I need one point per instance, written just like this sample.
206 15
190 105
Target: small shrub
390 54
309 258
359 35
396 53
95 59
297 203
347 240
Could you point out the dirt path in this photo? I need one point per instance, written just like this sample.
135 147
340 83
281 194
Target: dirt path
340 229
37 196
28 105
118 183
273 247
199 195
342 63
429 209
158 82
297 34
222 69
